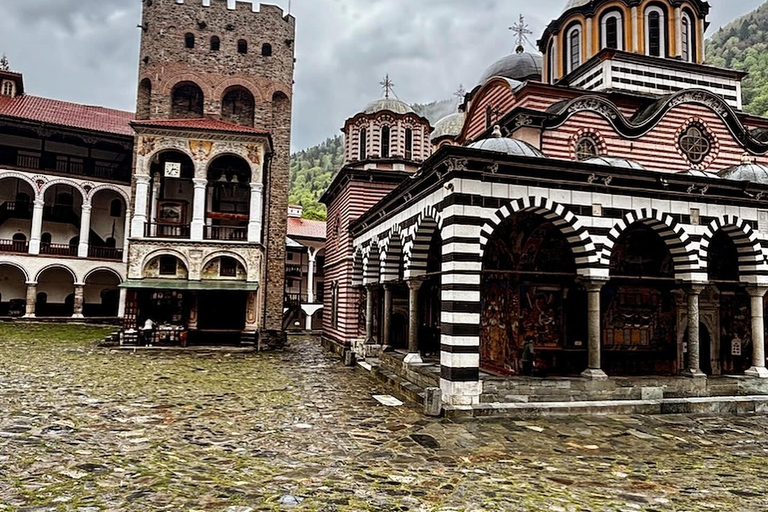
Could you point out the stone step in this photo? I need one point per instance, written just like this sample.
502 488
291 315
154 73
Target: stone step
405 388
693 405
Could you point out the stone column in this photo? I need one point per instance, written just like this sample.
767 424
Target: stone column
311 276
31 299
126 234
757 293
140 206
679 33
85 231
633 21
413 357
256 213
369 337
386 331
594 331
198 209
193 311
154 198
37 226
694 348
122 302
79 300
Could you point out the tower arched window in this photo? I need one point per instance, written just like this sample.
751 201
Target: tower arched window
612 31
409 144
655 35
215 44
242 46
189 40
266 50
573 55
386 141
686 28
551 62
363 144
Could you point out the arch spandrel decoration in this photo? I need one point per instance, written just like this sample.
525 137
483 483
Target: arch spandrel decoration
752 262
416 248
579 240
684 255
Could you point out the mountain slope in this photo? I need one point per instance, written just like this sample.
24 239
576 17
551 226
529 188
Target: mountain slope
742 45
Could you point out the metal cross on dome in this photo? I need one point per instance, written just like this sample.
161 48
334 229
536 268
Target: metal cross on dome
387 84
521 30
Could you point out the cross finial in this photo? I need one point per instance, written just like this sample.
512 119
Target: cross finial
387 84
521 31
461 92
4 64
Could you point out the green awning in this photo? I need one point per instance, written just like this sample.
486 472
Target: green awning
174 284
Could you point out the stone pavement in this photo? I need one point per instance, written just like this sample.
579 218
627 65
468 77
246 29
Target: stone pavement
85 429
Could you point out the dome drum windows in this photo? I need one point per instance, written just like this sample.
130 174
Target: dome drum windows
386 141
573 48
612 31
655 32
687 37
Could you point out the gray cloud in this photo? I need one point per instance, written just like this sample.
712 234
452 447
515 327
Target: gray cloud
87 50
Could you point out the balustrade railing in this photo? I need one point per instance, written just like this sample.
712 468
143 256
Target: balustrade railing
105 253
158 230
58 249
226 233
20 246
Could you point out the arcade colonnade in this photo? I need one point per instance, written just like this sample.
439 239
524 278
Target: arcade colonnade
592 252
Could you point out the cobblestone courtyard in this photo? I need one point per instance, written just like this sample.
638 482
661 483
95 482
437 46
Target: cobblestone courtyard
85 429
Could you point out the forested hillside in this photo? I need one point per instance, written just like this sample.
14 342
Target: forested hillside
313 169
742 45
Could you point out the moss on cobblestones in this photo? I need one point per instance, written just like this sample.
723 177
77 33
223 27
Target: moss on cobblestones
84 429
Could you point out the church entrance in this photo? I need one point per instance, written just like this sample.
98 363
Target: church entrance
529 295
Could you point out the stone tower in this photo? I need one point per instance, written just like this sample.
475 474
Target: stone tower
211 74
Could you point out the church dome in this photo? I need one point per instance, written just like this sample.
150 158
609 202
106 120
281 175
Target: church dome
390 104
449 126
611 161
514 147
519 66
572 4
756 173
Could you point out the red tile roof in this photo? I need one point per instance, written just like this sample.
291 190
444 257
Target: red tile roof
202 124
64 113
305 228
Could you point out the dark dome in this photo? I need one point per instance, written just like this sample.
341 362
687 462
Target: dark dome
756 173
520 66
612 161
499 144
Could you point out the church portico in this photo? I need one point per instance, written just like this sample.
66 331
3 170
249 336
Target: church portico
599 290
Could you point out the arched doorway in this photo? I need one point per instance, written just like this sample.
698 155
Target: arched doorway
229 197
55 293
13 290
101 294
171 195
107 225
527 290
16 198
735 310
638 320
430 300
61 219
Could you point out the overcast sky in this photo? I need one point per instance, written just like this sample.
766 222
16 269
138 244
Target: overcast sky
87 50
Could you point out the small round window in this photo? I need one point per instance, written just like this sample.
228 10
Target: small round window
586 147
695 143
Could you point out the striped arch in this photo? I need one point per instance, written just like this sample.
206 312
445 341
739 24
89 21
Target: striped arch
751 259
584 251
372 265
671 232
358 268
392 257
417 249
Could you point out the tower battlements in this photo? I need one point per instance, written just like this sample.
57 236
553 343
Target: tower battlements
237 5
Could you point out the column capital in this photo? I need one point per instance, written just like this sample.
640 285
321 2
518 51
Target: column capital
757 291
31 283
388 285
200 182
594 285
39 202
415 284
694 289
257 187
79 285
143 178
87 207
